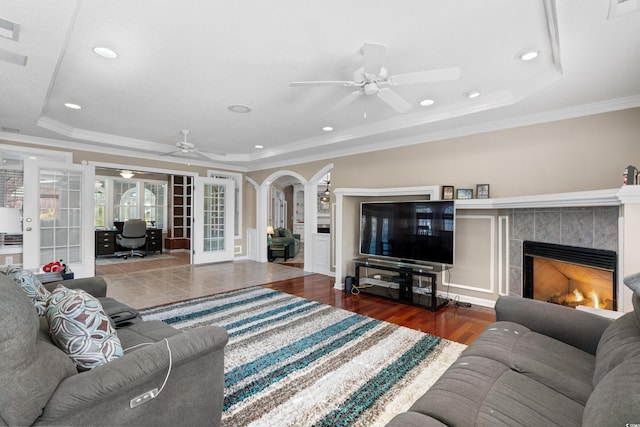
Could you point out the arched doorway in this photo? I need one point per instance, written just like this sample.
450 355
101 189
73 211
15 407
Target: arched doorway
310 210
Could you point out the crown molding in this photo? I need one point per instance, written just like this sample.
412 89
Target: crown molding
271 159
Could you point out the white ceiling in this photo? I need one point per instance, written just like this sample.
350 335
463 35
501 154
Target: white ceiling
181 64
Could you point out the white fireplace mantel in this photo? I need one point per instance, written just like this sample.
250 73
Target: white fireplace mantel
609 197
625 195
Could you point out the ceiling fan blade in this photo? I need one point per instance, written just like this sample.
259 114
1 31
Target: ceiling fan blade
323 83
394 100
347 100
212 153
170 153
439 75
373 57
197 154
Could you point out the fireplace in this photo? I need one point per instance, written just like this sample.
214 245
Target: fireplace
570 275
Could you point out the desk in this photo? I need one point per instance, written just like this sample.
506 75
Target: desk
106 241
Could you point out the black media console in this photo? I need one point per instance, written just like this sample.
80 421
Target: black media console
414 284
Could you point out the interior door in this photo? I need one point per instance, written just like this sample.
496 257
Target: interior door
213 221
58 216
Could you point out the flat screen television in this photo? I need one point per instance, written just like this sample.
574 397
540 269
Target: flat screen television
412 231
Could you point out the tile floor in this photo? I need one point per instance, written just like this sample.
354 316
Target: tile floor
146 283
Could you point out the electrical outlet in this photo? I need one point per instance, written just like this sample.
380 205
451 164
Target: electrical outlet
143 398
8 260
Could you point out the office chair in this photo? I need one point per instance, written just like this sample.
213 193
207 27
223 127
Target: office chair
134 235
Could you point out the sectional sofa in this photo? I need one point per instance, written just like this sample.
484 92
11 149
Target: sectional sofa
151 374
541 364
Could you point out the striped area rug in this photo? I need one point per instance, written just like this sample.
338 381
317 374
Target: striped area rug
295 362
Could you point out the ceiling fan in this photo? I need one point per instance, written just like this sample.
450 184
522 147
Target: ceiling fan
185 148
372 79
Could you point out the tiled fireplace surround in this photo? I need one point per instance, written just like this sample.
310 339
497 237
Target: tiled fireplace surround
606 219
593 227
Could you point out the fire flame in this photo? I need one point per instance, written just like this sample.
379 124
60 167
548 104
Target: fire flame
594 298
578 295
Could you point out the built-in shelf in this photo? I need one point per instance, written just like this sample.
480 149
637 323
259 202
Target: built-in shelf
609 197
179 231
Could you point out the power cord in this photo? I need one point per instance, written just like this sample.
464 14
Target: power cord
168 370
355 290
456 301
151 394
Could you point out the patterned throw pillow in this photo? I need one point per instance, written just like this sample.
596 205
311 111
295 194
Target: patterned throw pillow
12 269
81 328
32 286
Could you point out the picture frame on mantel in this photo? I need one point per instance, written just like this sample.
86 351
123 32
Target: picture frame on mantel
464 193
447 192
482 191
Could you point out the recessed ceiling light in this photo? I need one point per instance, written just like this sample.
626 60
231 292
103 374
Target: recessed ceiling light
427 102
327 128
472 94
528 55
105 52
239 108
72 106
259 146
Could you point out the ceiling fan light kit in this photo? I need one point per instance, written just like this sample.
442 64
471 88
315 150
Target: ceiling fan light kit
187 149
372 79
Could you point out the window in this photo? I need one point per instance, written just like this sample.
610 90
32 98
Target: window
119 199
237 179
125 200
11 194
155 202
100 203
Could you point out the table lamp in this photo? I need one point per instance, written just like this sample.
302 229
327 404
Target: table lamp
270 233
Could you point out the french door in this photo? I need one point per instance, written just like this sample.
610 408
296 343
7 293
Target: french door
58 215
213 221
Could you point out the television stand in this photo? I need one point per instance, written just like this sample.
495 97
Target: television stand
414 284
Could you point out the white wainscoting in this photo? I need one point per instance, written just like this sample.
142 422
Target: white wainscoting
321 253
475 260
252 248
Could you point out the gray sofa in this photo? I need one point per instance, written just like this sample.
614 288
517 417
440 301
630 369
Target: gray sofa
540 364
42 386
284 236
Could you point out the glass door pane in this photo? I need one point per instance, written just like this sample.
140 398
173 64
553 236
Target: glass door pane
214 201
58 216
60 219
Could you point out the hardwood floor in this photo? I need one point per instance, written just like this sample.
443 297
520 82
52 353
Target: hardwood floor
145 283
460 324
